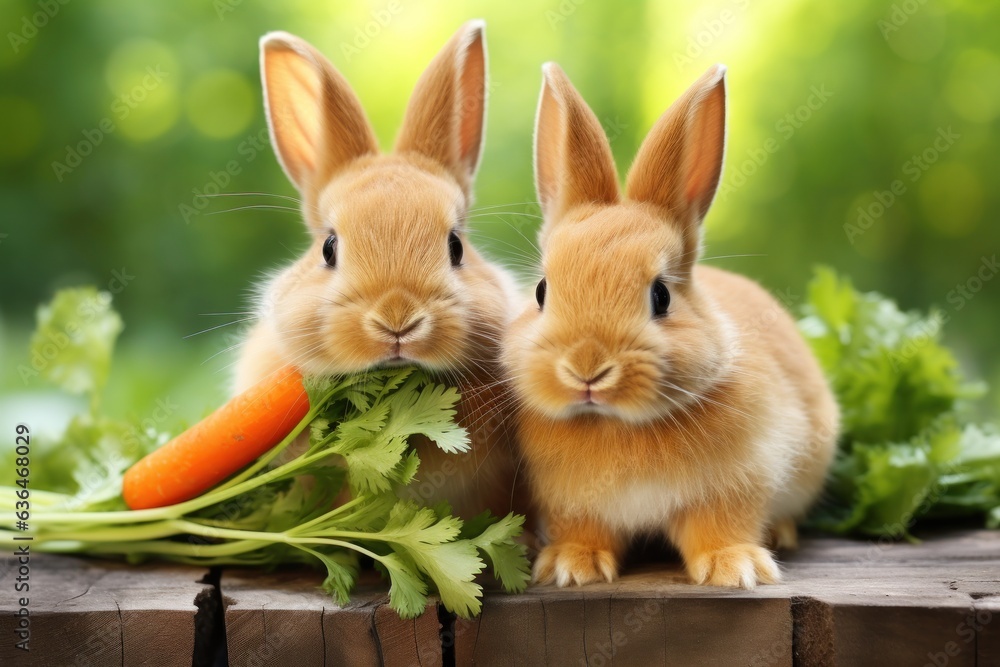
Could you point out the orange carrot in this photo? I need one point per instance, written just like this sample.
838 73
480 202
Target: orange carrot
221 444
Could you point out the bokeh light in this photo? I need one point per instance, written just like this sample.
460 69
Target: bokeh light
220 103
973 89
143 76
180 84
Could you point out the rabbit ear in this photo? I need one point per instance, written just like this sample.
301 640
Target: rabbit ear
447 112
680 162
316 122
573 161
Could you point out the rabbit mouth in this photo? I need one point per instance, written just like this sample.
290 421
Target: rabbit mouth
397 362
592 397
590 408
399 354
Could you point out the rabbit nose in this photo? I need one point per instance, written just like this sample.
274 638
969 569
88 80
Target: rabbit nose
593 379
587 367
400 331
397 315
600 375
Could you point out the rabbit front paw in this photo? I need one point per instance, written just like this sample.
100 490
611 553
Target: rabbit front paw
569 564
739 565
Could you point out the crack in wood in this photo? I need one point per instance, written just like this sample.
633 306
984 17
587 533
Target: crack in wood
121 630
210 646
446 619
322 631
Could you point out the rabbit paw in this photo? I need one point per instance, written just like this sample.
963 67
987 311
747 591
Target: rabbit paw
739 565
784 535
570 564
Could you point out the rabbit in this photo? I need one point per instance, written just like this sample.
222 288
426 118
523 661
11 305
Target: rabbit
656 395
390 277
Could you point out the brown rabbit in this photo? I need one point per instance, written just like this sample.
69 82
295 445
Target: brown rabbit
657 395
390 276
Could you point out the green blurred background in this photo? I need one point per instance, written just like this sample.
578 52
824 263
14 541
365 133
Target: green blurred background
830 105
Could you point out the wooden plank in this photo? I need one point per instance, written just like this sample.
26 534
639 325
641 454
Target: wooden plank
866 603
639 630
951 546
408 642
284 618
565 631
812 632
843 602
88 612
904 606
740 631
647 617
986 624
899 636
509 631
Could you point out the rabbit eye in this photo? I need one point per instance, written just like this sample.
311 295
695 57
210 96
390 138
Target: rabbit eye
455 249
330 250
660 298
540 293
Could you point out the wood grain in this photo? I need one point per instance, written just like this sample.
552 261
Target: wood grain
842 602
284 618
86 612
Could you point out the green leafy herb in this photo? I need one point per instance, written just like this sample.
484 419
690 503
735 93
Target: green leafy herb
904 452
282 509
75 338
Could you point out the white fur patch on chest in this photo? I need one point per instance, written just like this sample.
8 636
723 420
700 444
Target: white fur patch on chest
639 506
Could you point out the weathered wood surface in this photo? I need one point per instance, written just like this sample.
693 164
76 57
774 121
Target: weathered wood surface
99 613
283 618
843 602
